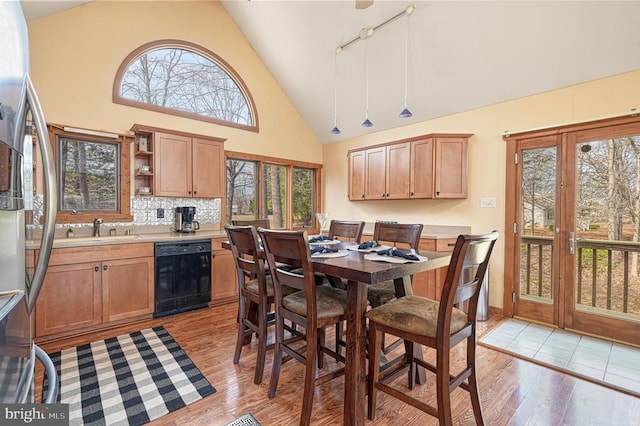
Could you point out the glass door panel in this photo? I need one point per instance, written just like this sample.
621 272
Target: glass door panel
538 188
604 239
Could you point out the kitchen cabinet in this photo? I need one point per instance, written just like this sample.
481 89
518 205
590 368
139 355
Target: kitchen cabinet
428 166
143 163
430 283
111 285
188 167
224 280
183 165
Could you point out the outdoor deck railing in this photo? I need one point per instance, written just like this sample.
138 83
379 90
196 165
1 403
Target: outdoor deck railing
605 269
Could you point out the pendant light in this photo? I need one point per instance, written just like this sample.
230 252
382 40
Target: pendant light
335 129
405 112
366 33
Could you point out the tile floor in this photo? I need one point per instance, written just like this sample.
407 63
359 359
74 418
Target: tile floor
600 360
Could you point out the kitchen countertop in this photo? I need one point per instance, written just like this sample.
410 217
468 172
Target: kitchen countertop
429 231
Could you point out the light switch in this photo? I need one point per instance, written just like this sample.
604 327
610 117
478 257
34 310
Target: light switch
488 202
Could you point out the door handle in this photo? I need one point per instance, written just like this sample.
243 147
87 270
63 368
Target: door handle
572 242
105 267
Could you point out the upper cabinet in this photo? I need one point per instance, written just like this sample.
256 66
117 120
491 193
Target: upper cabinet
186 165
429 166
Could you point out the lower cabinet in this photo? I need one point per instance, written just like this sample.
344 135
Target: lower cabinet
224 281
112 284
430 283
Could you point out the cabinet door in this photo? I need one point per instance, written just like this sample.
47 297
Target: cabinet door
424 283
375 179
208 168
172 165
224 285
451 168
398 171
421 185
127 288
70 299
356 175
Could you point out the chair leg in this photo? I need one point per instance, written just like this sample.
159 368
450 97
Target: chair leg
442 387
241 329
309 377
321 342
277 358
262 343
375 348
474 392
339 338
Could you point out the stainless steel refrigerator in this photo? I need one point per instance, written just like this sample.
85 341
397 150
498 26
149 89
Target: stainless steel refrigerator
19 110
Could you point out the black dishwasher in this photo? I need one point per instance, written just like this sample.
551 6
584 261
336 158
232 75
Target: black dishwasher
183 276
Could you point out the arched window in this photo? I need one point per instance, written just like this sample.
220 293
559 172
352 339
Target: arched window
184 79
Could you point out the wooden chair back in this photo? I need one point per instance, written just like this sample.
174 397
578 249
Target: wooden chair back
290 248
256 223
352 231
398 233
465 275
246 255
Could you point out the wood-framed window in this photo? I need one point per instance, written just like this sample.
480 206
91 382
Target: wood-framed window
93 175
286 192
181 78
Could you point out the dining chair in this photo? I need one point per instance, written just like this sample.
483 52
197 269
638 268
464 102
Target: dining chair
346 230
256 294
312 307
397 234
403 235
439 325
256 223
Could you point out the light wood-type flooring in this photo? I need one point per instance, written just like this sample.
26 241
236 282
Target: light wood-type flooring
513 392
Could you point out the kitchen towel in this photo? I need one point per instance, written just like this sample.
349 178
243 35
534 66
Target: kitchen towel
127 380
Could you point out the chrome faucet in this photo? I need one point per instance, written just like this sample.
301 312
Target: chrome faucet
96 226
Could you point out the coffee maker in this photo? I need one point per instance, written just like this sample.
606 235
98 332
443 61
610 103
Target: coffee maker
183 220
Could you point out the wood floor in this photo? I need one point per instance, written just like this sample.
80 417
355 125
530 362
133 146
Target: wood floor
513 392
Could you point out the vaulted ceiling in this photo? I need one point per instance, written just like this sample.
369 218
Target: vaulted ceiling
462 54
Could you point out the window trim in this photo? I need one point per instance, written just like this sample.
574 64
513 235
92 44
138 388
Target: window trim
290 164
192 47
124 215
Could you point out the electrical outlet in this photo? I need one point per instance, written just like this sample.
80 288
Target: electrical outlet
159 213
488 202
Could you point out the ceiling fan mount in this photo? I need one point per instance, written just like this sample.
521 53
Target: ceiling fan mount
363 4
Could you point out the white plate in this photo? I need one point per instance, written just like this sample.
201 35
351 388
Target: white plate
393 259
339 253
368 250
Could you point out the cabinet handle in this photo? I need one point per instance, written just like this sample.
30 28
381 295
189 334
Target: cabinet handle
96 268
195 192
382 195
105 267
362 196
411 194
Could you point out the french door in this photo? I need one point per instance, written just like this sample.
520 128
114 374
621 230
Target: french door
573 259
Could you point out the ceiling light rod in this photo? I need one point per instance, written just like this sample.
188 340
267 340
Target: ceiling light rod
368 32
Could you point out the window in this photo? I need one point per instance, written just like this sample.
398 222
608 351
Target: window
184 79
89 170
283 191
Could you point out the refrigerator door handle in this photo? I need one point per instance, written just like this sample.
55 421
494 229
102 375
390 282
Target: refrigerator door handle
50 194
50 373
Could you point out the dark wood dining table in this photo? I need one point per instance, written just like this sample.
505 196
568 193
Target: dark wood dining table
359 272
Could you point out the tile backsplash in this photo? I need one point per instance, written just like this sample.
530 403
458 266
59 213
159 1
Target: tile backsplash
145 211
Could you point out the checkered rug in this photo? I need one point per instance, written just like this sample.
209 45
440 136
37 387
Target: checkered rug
127 380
